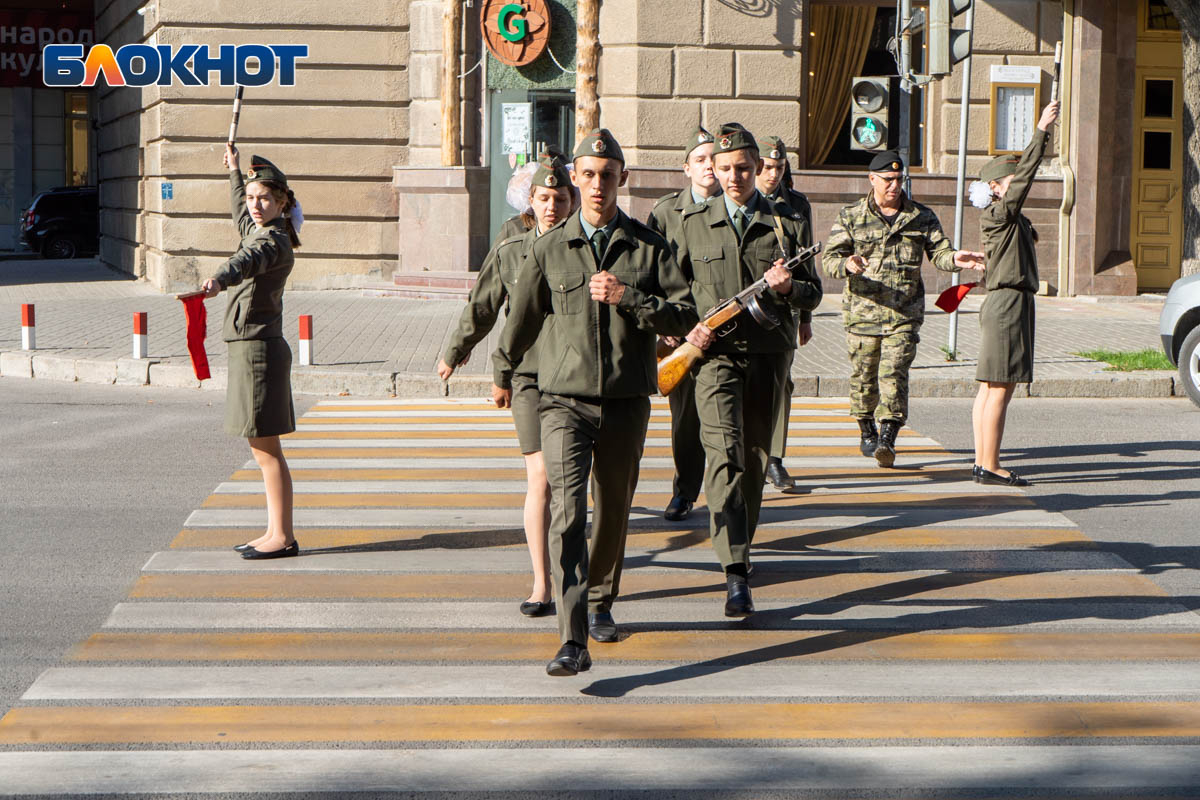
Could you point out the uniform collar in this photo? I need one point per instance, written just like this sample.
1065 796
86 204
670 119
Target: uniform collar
589 230
907 208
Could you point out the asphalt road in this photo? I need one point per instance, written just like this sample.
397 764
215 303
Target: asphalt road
97 478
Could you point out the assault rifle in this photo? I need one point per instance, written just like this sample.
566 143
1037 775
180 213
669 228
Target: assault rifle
723 319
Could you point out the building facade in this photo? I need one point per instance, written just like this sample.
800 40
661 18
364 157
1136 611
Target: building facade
361 135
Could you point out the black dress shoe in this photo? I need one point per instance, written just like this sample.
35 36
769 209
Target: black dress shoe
738 602
241 548
777 474
602 627
254 554
678 509
571 659
532 608
985 476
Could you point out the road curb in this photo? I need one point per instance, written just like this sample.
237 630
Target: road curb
330 382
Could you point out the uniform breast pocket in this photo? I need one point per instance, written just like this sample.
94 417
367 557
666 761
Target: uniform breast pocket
568 292
708 265
912 248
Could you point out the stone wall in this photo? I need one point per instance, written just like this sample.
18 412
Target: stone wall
337 134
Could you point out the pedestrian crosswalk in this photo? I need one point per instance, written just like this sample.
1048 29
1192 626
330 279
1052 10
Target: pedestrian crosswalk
915 633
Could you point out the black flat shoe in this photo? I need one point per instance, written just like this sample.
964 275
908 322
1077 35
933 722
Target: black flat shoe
602 627
975 472
241 548
678 509
985 476
253 554
571 659
532 608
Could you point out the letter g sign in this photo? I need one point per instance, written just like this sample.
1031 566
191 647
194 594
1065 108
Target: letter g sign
512 29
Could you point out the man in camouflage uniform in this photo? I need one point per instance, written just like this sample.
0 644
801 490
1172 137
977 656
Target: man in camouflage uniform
775 181
877 246
667 220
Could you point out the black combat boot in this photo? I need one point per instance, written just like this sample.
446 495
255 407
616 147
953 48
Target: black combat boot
870 436
885 451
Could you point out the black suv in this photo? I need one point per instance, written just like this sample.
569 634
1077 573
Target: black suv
63 222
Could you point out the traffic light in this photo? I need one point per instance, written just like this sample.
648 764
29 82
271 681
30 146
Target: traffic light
870 102
947 46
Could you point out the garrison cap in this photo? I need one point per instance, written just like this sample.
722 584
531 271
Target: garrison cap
554 154
999 168
263 170
887 161
552 174
601 144
773 147
733 136
698 137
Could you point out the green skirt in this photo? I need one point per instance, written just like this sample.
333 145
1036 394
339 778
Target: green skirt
258 401
1006 334
526 416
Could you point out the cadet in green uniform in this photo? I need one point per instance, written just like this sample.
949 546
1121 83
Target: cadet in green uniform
550 199
877 245
611 284
728 243
1006 319
666 219
518 224
775 181
258 400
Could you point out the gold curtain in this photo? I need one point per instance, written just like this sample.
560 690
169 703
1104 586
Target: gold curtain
841 36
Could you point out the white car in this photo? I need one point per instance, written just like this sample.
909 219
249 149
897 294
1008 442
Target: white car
1179 326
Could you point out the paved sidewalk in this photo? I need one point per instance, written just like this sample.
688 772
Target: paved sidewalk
382 346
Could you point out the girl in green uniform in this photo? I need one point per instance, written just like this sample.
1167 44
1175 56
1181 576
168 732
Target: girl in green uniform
258 402
551 199
1006 319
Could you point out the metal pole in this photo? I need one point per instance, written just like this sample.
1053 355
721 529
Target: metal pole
963 118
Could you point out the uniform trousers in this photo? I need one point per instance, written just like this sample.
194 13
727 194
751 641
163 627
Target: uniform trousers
686 449
735 397
879 374
601 439
783 408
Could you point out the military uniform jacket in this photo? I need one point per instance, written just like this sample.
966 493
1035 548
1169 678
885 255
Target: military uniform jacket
597 350
798 202
667 217
718 267
889 296
513 226
1008 237
256 273
492 291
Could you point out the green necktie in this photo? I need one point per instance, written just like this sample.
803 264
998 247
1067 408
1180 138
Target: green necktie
599 244
739 222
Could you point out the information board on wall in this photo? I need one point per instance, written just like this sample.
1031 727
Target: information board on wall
516 128
1015 102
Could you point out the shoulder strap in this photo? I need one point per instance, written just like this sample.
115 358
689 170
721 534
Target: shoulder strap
779 237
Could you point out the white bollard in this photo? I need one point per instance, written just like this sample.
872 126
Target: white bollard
28 339
306 343
141 324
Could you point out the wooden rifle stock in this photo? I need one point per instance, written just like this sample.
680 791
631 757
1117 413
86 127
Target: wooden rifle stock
675 367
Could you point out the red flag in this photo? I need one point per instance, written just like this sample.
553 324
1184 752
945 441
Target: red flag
197 319
948 300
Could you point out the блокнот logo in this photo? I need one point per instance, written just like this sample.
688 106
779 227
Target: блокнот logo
64 65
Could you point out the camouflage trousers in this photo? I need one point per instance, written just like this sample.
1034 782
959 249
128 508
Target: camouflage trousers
879 374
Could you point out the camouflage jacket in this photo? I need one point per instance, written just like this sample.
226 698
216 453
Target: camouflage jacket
256 273
889 296
719 266
1009 241
493 288
598 350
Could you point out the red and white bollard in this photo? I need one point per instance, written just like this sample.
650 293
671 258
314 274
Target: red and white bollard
28 339
141 325
306 340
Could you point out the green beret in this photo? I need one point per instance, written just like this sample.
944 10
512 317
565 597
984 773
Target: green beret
698 137
263 170
887 161
773 147
551 174
999 168
733 136
601 144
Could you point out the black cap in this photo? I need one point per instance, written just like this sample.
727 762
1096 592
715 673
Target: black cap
887 161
